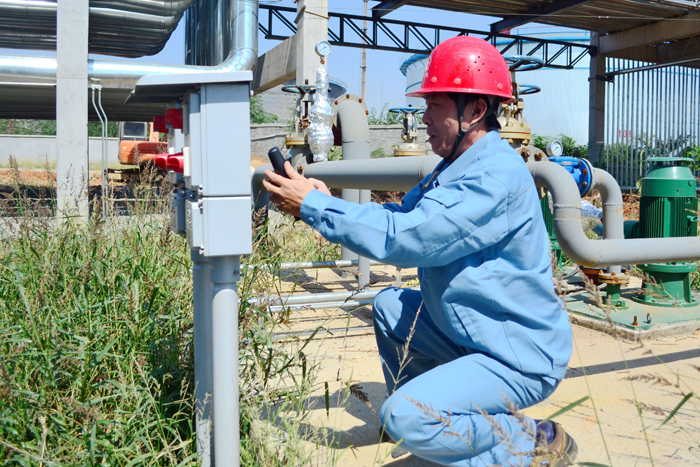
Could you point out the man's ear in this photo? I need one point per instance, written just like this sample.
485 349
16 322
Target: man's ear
474 111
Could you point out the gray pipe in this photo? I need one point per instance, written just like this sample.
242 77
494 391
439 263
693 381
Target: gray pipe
597 253
224 275
354 129
613 209
243 56
203 364
387 174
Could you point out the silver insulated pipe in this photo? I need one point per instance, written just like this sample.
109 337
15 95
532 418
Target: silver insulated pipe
127 28
23 76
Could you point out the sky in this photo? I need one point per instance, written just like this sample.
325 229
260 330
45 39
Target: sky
385 82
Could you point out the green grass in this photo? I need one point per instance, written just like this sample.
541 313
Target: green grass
96 359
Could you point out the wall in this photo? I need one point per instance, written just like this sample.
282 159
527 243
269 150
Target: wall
381 136
38 149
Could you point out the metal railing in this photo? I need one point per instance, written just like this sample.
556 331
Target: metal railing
649 113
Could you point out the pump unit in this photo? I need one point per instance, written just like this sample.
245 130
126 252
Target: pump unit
668 208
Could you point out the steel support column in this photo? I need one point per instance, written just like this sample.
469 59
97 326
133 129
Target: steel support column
312 27
596 112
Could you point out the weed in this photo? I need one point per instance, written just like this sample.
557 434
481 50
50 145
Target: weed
96 355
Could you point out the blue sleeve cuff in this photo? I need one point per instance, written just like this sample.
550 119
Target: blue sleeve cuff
313 205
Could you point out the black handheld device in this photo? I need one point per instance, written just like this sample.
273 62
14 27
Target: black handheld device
277 160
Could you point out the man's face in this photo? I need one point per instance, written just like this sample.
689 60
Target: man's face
441 119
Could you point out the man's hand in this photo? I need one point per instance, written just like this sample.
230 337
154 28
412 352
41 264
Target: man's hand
289 193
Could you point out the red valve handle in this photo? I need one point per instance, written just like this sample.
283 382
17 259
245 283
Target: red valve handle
176 163
161 161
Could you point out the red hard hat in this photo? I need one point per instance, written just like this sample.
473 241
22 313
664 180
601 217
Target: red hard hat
466 64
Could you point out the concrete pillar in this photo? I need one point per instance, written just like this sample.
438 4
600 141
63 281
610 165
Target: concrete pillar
596 112
71 108
312 27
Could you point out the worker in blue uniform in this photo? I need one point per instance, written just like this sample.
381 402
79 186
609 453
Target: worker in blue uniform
486 334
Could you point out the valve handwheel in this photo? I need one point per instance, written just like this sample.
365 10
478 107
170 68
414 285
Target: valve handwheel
300 89
525 89
523 62
407 110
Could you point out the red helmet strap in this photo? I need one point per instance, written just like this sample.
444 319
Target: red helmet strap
461 105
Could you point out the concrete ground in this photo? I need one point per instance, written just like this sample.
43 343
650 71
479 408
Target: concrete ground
617 376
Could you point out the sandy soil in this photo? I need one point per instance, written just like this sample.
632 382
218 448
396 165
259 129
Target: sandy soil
607 426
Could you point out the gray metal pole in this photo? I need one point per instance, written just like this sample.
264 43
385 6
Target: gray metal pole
203 367
225 273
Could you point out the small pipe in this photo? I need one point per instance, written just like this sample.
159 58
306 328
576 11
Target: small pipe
323 264
306 299
321 306
596 253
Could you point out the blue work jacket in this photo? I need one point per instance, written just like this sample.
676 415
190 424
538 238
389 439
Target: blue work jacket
477 236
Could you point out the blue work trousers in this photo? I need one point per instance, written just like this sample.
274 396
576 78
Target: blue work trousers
449 405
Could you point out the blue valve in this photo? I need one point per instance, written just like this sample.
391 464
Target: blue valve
580 169
407 110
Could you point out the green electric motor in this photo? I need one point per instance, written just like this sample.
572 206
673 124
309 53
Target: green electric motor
668 208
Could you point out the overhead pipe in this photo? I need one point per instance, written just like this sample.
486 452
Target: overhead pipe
608 252
242 56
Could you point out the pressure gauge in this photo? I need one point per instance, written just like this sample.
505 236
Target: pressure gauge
555 149
323 49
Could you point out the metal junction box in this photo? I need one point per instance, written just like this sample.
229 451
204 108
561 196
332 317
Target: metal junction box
211 204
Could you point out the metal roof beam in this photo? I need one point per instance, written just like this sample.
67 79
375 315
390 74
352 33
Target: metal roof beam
668 30
534 14
665 53
387 6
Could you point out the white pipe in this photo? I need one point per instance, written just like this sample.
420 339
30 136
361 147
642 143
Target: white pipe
597 253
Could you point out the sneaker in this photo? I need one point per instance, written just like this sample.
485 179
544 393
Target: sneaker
560 452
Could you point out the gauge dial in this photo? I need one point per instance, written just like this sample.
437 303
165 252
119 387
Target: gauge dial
555 149
323 49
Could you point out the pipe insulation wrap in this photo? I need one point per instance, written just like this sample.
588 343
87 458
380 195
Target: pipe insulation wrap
608 252
242 56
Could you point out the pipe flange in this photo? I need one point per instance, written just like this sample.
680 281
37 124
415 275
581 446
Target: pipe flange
347 97
613 279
